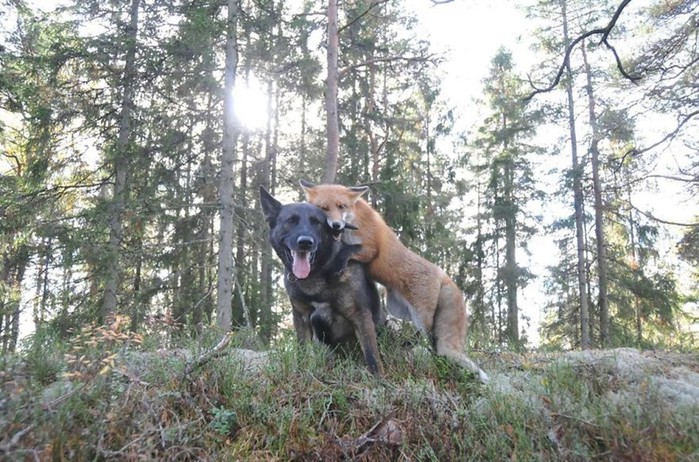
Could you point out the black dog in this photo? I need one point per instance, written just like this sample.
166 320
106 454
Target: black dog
332 298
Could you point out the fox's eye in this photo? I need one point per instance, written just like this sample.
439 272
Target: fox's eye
341 206
324 208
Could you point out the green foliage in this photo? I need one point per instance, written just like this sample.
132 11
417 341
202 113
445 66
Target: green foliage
688 246
44 350
224 421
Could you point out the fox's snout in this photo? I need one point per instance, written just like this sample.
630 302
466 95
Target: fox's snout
336 225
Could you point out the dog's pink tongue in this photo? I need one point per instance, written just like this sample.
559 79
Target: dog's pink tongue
302 264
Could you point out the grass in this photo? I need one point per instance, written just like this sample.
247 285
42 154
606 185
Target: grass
103 397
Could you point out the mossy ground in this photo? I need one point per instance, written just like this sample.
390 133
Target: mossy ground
103 397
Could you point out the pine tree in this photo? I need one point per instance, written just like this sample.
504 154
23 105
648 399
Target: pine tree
225 191
39 169
509 187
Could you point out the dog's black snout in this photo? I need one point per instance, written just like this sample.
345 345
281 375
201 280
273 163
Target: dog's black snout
305 242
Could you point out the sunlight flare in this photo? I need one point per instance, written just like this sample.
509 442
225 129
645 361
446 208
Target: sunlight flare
250 103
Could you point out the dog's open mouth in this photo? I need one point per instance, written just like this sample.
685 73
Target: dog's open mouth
301 265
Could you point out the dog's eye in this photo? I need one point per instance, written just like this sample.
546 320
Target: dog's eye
315 221
292 220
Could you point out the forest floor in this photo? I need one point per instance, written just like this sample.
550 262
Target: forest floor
114 396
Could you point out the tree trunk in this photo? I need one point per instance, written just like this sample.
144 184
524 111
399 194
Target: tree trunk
480 261
304 131
511 259
577 199
207 191
498 279
42 282
636 265
331 84
6 303
121 165
510 219
13 269
230 132
242 228
599 208
22 263
267 180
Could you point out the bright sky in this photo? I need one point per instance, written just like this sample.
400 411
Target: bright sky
469 33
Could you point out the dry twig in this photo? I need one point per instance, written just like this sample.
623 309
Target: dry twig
215 352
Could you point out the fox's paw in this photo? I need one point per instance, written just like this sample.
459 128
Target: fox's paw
483 376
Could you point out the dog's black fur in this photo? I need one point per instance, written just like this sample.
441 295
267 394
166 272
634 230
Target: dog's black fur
332 298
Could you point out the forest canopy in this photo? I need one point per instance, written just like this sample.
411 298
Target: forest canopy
129 165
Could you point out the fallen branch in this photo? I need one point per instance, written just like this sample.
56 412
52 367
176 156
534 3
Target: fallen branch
14 441
386 431
215 352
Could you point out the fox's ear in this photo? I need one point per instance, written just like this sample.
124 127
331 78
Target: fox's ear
270 206
358 191
306 185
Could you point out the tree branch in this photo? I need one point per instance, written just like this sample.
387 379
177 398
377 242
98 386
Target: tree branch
362 14
604 31
660 220
669 136
384 59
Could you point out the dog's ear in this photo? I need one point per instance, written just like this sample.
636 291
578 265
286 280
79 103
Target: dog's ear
270 206
358 191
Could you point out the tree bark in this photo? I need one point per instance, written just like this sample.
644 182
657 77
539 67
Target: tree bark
577 199
224 301
22 262
121 165
599 209
636 265
511 259
265 308
240 248
510 218
331 85
480 258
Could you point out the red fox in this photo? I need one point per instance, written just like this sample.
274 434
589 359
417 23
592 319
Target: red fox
418 290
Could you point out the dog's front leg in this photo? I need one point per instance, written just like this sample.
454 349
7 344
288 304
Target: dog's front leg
365 331
301 314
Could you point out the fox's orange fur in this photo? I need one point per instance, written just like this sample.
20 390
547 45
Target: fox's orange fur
425 293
